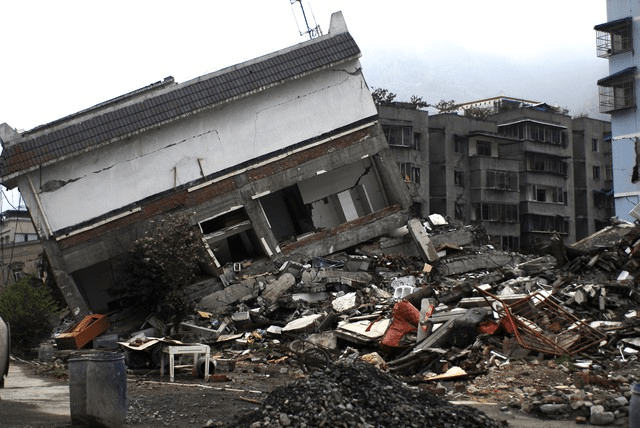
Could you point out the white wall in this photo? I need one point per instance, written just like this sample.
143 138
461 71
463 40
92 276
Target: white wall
122 173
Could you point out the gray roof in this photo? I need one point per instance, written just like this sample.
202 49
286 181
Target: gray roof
159 103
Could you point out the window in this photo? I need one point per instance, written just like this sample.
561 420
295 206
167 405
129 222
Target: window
458 143
502 180
617 91
416 141
503 213
613 37
483 148
458 178
596 172
541 223
400 136
547 164
547 194
410 172
594 145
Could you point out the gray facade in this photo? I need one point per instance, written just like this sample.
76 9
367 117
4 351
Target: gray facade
407 132
593 175
524 174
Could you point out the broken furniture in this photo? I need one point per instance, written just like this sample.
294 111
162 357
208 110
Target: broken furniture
542 325
84 332
195 349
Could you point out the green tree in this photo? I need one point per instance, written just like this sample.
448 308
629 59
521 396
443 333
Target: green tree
481 113
382 96
30 310
444 106
164 261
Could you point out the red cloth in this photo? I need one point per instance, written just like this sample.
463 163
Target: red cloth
404 319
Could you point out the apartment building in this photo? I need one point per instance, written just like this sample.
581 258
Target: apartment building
618 93
593 175
407 132
20 249
526 172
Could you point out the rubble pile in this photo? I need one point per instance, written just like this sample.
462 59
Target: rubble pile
441 308
359 395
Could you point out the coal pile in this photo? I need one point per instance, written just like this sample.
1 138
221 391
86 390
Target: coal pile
359 395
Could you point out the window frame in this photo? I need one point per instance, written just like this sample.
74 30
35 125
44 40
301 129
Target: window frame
613 38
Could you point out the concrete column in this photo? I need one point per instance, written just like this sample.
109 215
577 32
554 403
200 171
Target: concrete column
64 280
258 220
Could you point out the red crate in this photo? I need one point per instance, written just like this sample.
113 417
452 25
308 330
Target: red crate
84 332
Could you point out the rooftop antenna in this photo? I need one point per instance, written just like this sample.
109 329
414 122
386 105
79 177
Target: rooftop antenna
311 31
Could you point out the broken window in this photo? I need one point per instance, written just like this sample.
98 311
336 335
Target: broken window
410 172
288 215
546 193
399 135
613 37
231 238
326 200
617 92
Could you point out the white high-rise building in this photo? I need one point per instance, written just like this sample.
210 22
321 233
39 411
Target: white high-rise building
618 93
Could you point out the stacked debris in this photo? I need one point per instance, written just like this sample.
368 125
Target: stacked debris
359 395
439 306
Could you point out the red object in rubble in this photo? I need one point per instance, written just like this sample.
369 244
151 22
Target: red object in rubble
84 332
404 319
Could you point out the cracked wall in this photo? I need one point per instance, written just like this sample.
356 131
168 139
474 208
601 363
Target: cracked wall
121 174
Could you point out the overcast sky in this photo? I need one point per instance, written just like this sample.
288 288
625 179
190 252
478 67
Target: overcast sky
59 57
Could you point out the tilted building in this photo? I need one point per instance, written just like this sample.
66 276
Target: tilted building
276 156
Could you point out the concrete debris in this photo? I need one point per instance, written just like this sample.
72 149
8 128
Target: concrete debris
458 326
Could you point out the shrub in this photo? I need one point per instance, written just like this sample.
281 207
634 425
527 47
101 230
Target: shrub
30 310
162 262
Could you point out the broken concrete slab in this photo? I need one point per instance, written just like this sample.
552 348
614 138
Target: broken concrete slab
425 246
463 263
277 288
345 303
362 332
304 324
238 292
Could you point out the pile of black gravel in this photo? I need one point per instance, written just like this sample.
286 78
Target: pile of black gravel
359 395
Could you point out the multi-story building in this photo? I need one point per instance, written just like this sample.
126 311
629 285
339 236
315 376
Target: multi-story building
618 93
593 175
541 141
20 249
407 132
469 182
525 172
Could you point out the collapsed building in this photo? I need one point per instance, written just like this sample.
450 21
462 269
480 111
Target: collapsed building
279 155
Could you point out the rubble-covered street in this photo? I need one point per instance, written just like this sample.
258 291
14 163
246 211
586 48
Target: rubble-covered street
435 311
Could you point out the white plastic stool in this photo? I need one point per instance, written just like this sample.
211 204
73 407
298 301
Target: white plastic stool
185 349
